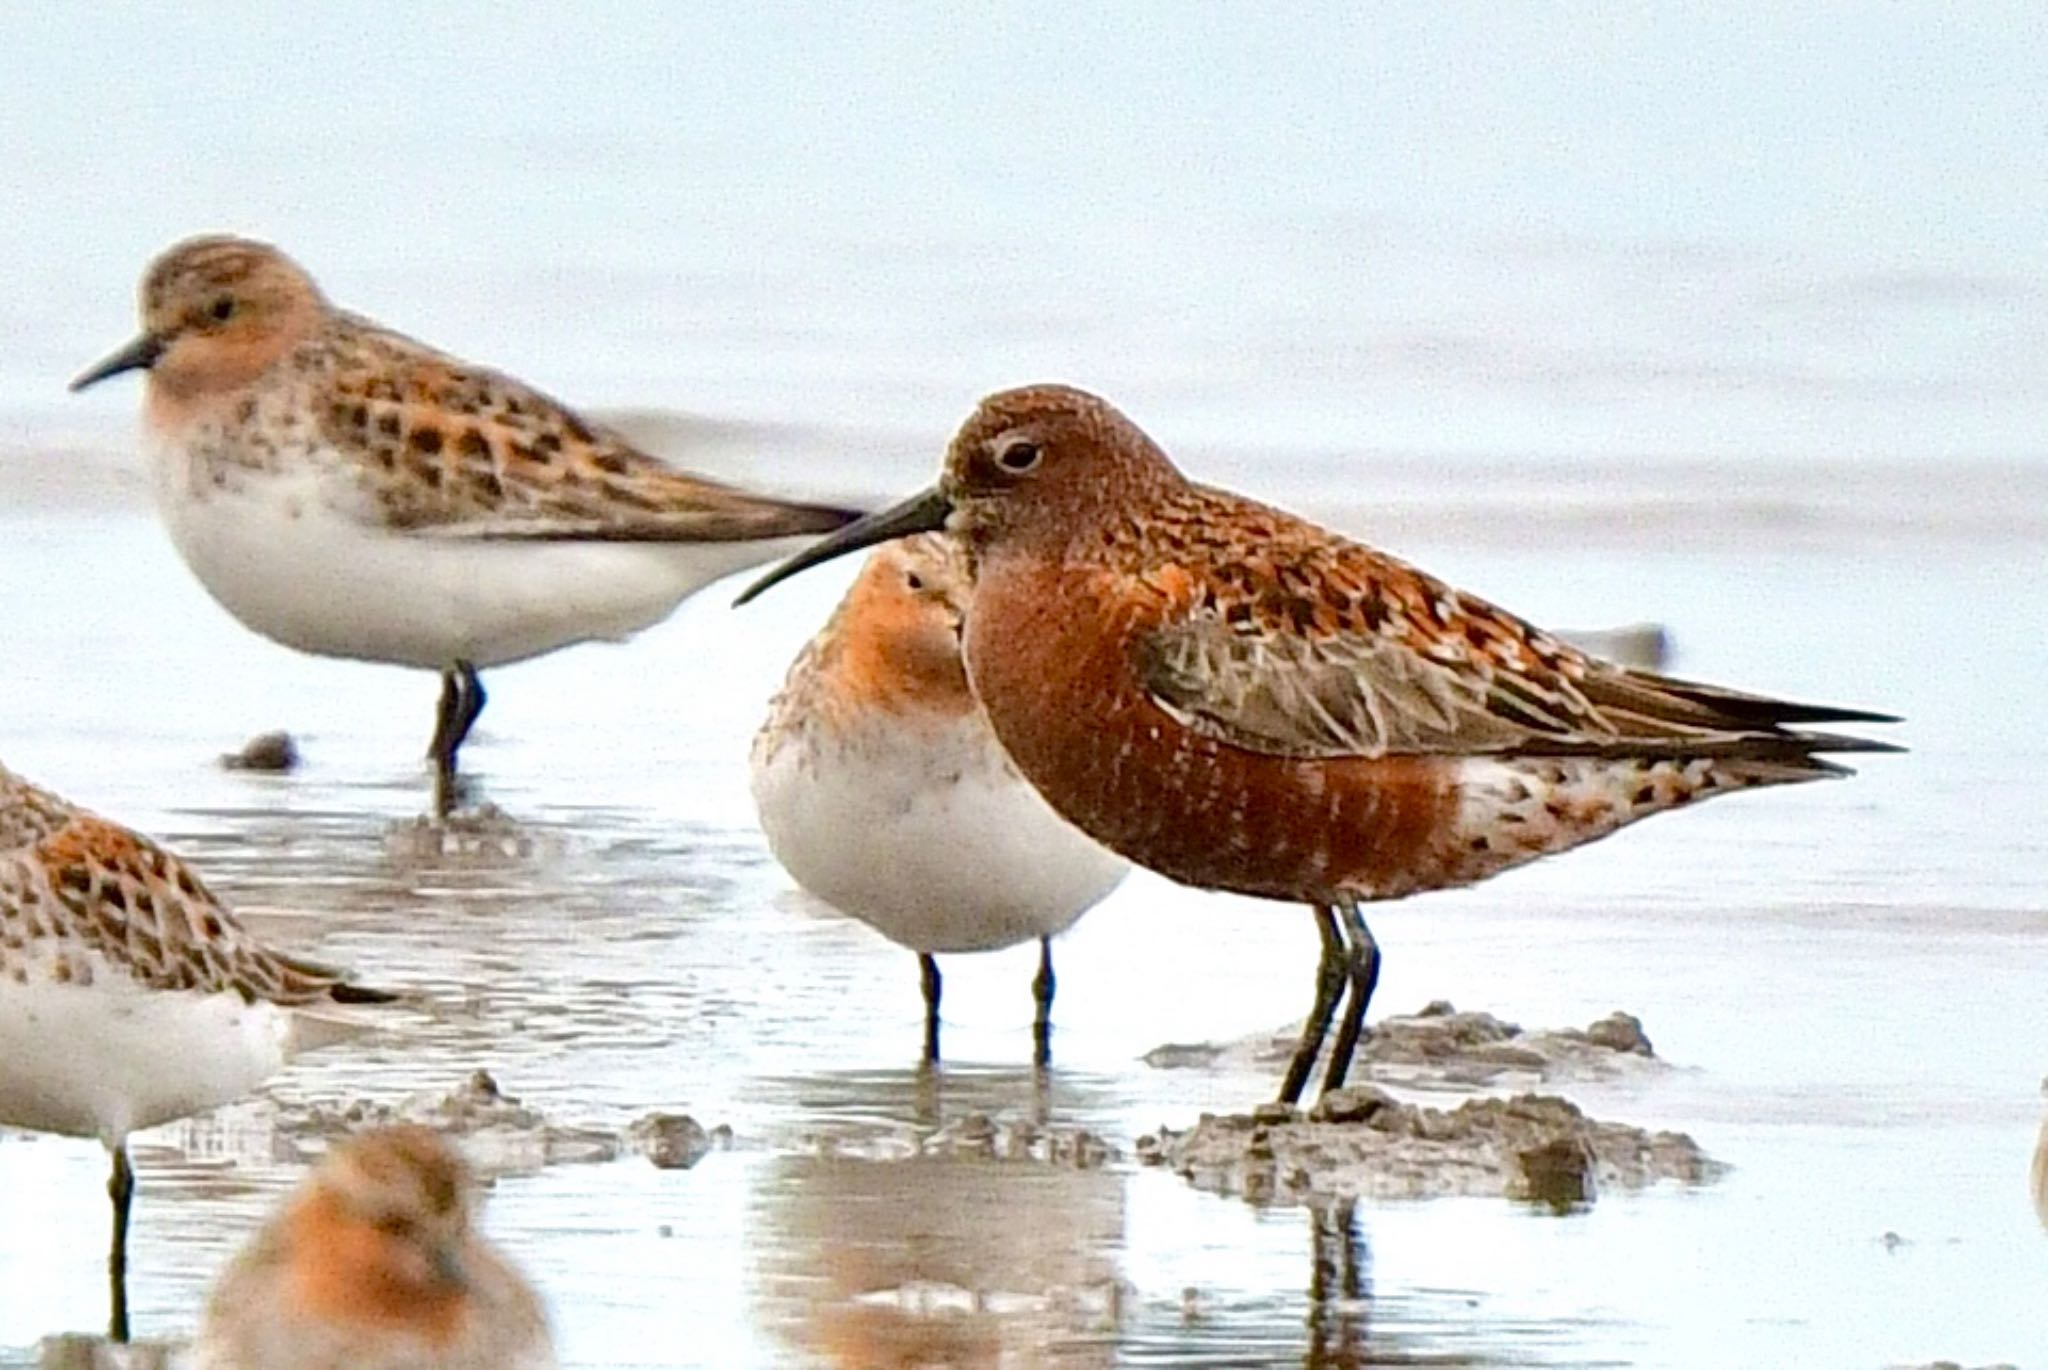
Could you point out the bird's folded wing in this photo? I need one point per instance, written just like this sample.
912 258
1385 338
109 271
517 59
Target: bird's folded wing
145 910
1361 693
452 450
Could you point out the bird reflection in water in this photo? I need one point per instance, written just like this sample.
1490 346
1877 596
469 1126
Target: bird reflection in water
932 1259
1339 1289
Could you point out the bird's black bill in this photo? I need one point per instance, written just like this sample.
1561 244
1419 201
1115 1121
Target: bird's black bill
139 355
921 513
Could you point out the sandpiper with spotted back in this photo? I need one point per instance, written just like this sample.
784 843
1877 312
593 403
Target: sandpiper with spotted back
130 996
347 491
883 792
1243 701
374 1263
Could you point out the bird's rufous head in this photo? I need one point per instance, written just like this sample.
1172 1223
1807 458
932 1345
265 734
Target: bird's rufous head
1041 462
381 1229
217 312
898 628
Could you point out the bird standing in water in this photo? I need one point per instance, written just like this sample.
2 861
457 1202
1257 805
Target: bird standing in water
345 490
883 791
1240 700
130 995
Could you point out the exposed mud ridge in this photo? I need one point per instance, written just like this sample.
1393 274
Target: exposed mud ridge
1441 1046
501 1135
978 1136
1362 1142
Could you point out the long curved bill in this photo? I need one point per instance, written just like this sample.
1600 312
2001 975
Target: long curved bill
925 512
139 355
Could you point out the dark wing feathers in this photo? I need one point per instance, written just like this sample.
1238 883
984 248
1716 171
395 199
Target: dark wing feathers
1364 694
1719 707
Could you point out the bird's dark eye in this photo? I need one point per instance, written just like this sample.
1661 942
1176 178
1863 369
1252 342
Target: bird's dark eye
1018 456
913 580
223 308
396 1225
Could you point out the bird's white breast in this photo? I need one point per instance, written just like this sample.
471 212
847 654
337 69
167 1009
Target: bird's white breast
289 551
921 829
104 1058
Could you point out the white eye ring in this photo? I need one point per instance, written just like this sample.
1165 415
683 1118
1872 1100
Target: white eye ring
1018 455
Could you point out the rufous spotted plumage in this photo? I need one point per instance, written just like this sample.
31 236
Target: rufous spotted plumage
345 490
130 995
1241 700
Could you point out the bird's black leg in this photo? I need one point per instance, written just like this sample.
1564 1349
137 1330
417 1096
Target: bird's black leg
1329 984
444 715
462 701
473 698
439 750
928 965
1362 964
121 1189
1042 986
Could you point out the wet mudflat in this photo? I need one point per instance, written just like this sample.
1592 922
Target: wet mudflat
1841 984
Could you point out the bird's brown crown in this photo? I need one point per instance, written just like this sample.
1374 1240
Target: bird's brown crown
1046 458
405 1173
223 310
380 1235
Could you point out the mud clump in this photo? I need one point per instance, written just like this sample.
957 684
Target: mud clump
267 753
1476 1046
1441 1046
676 1141
499 1133
1363 1142
502 1135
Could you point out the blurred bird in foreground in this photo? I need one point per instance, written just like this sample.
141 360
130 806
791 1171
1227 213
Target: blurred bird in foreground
374 1263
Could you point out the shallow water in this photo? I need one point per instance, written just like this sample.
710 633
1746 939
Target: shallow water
1584 328
1846 974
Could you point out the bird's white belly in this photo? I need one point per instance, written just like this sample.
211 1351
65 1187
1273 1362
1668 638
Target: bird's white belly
291 566
105 1059
926 836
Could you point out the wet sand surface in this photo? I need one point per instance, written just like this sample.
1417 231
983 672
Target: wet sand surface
1842 983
